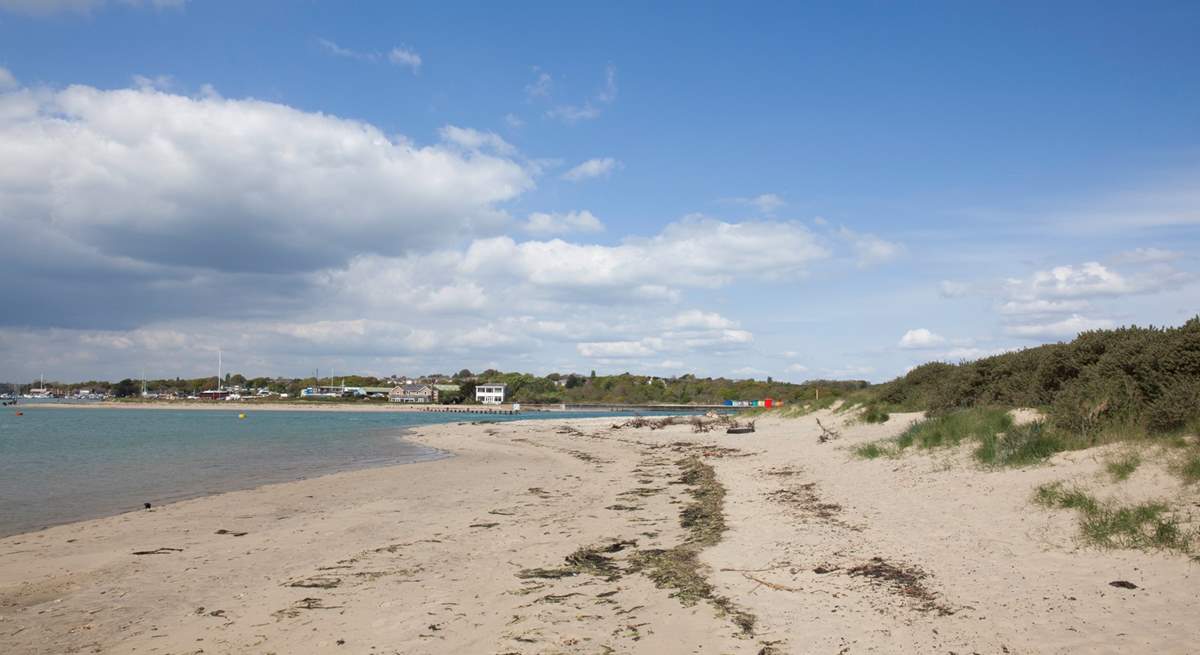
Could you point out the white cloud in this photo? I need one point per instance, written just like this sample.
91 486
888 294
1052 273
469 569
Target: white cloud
697 319
952 289
574 113
513 121
619 349
969 354
1065 328
592 168
158 82
338 51
402 56
154 177
542 85
686 332
472 139
1093 280
609 92
797 368
7 80
868 248
766 203
399 55
542 224
921 338
1016 307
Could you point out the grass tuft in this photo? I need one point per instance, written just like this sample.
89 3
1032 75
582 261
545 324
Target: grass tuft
1189 467
1145 526
872 450
1123 466
1021 445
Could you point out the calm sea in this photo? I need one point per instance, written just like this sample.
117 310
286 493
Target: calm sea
64 465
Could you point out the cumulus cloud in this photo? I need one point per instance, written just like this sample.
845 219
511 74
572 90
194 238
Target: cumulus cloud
543 224
697 319
685 332
1061 329
139 175
921 338
619 349
7 80
592 168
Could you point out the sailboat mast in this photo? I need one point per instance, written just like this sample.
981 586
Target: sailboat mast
218 369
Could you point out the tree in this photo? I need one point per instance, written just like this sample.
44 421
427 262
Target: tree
126 388
465 373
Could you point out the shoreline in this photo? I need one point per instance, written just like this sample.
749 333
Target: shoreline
298 406
573 536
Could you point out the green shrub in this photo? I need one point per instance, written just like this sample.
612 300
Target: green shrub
1106 383
875 414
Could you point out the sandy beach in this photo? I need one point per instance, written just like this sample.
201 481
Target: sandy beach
574 537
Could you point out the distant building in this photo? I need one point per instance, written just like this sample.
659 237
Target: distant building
490 393
413 393
376 392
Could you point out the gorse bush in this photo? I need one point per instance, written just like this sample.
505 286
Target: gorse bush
1124 382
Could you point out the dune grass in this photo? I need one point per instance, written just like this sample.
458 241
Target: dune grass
1020 445
1123 465
1189 467
872 450
1146 526
954 428
999 442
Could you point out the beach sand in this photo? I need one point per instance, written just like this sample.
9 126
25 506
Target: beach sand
821 553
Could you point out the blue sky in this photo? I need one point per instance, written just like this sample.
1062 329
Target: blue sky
842 190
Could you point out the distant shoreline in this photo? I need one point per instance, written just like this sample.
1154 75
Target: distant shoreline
221 405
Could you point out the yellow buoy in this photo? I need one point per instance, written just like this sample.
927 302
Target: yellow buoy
241 416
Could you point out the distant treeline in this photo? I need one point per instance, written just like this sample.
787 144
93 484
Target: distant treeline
1130 381
625 388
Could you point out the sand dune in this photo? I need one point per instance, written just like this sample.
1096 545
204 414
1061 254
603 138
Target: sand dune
547 537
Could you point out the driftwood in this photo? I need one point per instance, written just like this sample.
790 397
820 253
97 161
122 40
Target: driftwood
826 433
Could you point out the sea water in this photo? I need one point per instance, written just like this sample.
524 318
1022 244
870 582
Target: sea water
64 465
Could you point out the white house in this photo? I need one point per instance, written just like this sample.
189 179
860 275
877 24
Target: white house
490 393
